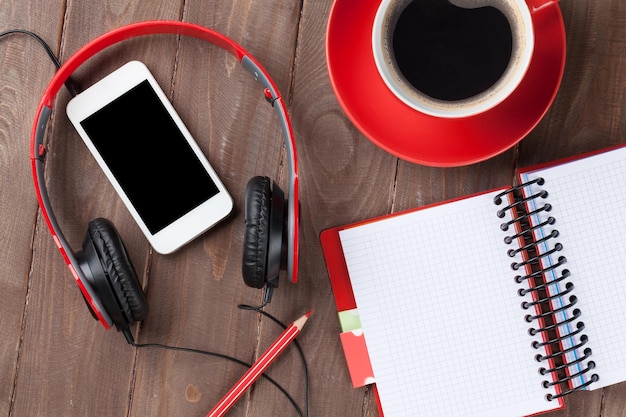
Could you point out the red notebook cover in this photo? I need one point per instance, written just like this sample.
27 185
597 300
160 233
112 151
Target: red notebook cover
359 368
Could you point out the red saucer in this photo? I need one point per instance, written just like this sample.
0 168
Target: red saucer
424 139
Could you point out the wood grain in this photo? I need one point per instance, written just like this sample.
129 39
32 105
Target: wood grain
22 78
56 360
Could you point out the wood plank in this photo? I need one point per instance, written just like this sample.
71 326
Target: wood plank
83 370
25 71
613 401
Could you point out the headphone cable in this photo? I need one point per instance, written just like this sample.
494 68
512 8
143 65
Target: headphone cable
43 43
131 341
71 86
295 343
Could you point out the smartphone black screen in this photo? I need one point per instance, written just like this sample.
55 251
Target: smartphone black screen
149 157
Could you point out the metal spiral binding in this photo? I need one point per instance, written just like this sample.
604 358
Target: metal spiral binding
556 356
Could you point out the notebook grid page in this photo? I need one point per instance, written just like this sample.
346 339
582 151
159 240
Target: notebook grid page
442 319
588 199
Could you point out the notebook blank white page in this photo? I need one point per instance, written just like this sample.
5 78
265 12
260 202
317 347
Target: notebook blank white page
441 314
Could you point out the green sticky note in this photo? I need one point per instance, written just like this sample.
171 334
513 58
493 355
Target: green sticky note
349 320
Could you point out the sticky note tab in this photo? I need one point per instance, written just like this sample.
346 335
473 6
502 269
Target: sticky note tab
349 320
358 359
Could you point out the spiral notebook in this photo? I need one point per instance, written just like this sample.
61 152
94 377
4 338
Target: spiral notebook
496 304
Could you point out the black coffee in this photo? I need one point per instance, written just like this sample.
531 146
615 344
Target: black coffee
450 53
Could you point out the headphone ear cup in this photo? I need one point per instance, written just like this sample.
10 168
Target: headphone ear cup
256 234
113 274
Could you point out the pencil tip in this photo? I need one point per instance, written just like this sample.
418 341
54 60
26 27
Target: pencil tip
300 322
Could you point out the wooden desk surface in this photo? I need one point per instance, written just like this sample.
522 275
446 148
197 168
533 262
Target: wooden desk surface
57 361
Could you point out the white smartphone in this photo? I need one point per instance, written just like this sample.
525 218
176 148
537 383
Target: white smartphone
150 157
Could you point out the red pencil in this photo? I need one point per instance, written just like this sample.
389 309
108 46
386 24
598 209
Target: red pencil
259 367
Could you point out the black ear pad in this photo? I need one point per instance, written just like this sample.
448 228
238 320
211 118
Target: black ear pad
277 245
264 248
112 274
256 234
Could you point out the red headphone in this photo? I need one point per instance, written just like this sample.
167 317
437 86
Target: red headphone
104 274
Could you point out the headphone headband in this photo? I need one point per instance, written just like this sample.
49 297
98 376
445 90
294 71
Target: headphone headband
142 29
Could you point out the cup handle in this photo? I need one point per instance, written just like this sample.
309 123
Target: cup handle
536 5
